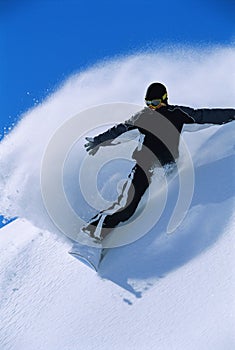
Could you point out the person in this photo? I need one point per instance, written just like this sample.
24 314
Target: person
160 124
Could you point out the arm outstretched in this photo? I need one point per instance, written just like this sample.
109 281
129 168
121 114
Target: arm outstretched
210 116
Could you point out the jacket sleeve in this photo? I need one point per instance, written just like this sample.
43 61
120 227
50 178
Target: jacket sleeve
112 133
210 116
118 129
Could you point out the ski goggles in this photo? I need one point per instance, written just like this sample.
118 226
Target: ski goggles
155 102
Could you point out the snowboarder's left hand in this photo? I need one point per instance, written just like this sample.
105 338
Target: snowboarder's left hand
91 146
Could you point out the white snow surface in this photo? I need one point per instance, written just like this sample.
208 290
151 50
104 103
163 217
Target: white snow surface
162 291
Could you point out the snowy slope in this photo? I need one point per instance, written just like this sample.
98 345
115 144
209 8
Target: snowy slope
161 292
50 301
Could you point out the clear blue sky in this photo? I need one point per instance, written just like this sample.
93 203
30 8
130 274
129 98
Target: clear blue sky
42 42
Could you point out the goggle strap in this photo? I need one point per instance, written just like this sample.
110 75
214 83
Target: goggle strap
164 96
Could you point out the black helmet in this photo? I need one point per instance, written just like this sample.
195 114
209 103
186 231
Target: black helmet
156 91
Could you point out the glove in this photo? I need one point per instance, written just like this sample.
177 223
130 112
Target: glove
91 146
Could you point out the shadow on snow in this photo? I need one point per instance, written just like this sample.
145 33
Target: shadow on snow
138 266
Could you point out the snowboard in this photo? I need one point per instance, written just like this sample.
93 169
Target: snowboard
89 255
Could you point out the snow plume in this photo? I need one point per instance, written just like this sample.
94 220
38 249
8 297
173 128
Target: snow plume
201 78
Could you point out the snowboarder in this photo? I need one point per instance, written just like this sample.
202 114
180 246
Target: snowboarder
160 146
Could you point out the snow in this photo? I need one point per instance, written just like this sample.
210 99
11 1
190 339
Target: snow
163 291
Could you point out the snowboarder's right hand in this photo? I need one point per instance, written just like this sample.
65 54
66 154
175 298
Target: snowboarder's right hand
91 146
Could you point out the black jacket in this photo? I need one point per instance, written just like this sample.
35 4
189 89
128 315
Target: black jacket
161 129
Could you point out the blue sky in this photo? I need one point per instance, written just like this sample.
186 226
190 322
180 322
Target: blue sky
42 42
